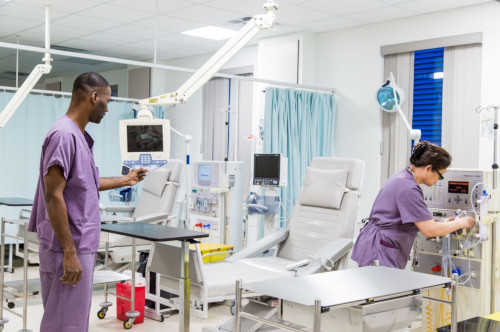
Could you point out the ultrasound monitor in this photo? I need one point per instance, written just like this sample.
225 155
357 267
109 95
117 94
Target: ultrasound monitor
270 170
145 142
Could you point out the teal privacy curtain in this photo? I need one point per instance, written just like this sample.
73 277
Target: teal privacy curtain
21 142
300 125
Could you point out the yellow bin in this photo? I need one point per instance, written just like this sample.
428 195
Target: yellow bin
211 250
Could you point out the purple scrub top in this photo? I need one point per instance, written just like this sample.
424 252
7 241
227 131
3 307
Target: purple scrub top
66 146
388 237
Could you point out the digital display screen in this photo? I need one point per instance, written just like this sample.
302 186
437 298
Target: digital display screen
455 187
146 138
204 173
267 166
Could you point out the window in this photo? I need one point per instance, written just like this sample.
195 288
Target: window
428 94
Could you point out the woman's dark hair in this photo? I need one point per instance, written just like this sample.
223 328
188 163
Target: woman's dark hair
425 153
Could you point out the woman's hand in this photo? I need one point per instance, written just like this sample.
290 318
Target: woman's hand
467 221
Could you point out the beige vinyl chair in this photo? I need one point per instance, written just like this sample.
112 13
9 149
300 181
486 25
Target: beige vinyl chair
319 238
154 205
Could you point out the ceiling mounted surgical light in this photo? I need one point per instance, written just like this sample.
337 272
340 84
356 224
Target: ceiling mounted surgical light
390 97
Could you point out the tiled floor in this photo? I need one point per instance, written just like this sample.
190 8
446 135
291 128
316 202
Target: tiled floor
217 313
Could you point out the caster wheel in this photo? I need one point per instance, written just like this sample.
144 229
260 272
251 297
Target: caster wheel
162 319
127 325
11 305
233 309
102 313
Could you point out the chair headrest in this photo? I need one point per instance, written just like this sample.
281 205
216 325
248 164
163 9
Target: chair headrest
323 187
156 181
355 168
175 167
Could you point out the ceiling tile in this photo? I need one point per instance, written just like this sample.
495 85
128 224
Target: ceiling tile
294 15
58 33
13 9
428 6
134 31
207 15
149 6
169 24
330 24
340 7
86 21
115 13
4 32
17 23
246 8
379 15
60 5
127 52
180 40
396 2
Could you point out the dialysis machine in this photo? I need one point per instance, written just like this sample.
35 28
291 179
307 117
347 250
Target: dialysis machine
467 253
270 170
217 201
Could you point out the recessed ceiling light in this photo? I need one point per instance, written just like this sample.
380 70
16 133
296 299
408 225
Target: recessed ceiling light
211 32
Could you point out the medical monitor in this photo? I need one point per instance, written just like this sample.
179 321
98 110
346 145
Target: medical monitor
270 170
207 174
145 142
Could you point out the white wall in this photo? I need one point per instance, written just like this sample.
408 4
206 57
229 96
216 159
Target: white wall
350 61
120 77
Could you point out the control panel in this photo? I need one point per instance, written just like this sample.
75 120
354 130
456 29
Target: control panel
454 191
146 161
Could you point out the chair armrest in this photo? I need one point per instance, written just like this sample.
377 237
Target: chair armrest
118 209
153 217
260 246
114 219
330 253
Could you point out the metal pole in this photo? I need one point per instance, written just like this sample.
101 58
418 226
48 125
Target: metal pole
184 287
106 289
25 276
493 225
132 305
317 315
237 304
2 261
454 302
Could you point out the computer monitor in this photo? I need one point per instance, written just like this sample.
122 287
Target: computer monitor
145 142
270 170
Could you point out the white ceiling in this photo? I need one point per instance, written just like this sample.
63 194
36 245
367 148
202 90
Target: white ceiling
126 28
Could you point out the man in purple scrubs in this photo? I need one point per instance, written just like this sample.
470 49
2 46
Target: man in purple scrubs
399 211
66 208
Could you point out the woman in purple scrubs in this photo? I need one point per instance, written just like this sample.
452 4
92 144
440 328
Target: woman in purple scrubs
399 211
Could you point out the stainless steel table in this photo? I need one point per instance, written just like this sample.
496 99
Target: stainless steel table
13 201
343 289
158 233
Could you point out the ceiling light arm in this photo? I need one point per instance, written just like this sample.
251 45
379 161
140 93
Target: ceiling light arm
31 80
215 63
415 134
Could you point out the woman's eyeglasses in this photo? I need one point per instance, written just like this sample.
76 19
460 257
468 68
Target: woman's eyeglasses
441 177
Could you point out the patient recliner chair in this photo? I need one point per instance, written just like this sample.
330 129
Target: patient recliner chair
154 205
319 238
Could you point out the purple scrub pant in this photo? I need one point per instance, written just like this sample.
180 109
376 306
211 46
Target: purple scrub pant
66 308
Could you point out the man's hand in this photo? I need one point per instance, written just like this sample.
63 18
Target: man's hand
72 269
136 175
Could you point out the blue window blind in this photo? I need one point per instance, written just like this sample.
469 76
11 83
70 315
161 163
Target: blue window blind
428 94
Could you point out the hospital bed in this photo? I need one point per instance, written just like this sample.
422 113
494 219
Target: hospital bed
154 205
319 238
